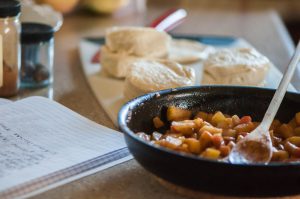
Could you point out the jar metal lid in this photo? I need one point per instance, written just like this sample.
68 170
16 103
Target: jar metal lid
36 32
9 8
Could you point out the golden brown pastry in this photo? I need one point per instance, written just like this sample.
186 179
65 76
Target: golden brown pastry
138 41
187 51
148 76
239 66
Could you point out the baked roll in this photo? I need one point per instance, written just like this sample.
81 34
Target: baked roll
187 51
240 66
148 76
116 64
138 41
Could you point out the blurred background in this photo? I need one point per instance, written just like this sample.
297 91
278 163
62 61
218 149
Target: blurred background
289 10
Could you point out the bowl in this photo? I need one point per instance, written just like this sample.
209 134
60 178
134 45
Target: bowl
201 174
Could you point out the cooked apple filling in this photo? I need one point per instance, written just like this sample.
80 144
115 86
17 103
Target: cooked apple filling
212 135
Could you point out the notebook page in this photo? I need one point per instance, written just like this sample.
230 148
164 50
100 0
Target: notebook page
4 101
40 137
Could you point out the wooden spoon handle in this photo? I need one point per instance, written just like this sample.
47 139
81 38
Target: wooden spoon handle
281 90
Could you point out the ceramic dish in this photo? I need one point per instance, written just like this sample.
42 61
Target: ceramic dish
202 174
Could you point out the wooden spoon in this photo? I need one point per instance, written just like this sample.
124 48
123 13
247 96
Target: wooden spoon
256 147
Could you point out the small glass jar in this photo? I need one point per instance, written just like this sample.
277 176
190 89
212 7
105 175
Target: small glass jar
9 47
37 55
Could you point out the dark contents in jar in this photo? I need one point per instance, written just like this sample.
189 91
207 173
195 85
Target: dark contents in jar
34 72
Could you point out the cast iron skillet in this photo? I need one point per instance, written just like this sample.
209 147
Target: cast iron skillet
202 174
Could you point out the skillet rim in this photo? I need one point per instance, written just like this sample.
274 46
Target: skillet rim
126 109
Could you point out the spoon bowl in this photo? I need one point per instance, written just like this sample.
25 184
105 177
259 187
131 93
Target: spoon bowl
257 148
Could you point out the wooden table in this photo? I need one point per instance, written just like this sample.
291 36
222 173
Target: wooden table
264 30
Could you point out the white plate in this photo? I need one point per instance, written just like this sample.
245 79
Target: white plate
109 91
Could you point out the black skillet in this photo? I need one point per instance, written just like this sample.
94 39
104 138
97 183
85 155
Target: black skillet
201 174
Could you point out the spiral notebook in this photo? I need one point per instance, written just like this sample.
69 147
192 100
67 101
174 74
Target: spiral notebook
44 145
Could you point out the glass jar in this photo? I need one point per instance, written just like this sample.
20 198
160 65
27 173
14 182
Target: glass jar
37 55
9 47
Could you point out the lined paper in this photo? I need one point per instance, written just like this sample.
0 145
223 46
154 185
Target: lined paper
43 143
4 101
